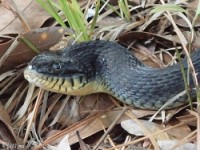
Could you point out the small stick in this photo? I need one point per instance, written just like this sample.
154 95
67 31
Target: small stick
109 129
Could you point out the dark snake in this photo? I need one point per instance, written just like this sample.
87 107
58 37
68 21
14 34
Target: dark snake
107 67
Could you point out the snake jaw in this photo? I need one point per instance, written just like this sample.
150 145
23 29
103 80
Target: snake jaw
30 76
55 84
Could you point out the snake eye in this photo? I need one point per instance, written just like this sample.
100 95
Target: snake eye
56 66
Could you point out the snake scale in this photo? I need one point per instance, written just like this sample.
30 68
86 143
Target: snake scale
107 67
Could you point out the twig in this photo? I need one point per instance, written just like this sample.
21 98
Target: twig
110 128
33 116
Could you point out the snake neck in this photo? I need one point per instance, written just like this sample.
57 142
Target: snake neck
101 59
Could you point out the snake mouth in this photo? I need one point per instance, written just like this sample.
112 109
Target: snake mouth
66 85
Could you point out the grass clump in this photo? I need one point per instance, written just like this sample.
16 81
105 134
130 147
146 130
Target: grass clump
74 16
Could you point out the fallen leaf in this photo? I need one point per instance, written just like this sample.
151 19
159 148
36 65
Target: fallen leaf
180 132
42 39
169 144
64 144
134 128
32 12
188 119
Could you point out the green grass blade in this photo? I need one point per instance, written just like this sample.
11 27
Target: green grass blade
168 7
111 7
74 15
95 17
49 6
186 77
29 44
123 5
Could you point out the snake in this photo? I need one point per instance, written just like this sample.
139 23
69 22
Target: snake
108 67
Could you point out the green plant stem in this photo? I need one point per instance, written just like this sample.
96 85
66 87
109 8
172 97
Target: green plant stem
186 80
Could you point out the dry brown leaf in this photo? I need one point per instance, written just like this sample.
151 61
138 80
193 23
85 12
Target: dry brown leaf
42 38
143 37
33 13
87 127
180 132
78 108
188 119
144 42
133 128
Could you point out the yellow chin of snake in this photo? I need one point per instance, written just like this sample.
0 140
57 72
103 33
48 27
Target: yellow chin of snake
75 85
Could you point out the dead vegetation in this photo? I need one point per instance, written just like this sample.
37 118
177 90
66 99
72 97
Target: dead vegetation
30 118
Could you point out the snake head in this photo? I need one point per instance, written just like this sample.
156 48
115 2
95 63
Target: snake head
52 64
54 72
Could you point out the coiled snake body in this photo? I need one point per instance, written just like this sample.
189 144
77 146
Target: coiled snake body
101 66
